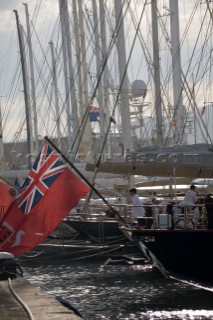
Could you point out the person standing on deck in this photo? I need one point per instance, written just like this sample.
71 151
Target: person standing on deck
190 199
138 212
191 195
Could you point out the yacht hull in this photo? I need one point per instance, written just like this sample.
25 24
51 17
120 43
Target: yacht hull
185 253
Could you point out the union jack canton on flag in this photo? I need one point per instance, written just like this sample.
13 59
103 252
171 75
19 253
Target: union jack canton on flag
46 169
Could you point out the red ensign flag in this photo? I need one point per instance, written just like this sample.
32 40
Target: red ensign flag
48 194
5 199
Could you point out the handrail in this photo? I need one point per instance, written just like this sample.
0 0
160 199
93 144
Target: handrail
181 216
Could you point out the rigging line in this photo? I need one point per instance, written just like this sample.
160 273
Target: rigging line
181 43
201 59
42 50
203 47
13 88
192 99
93 28
44 82
168 75
12 129
92 39
188 68
67 95
96 254
146 58
9 111
5 34
80 132
89 24
140 64
106 13
185 34
90 27
45 79
147 55
84 178
97 165
36 11
108 189
166 36
83 58
6 53
200 84
210 35
201 77
103 250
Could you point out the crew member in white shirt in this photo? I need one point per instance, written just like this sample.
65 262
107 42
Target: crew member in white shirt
191 195
138 212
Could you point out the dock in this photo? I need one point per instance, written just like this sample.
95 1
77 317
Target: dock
20 300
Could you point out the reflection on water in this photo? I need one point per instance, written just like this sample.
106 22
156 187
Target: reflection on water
121 292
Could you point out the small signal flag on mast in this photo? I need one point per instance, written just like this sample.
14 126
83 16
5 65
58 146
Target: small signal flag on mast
94 114
203 110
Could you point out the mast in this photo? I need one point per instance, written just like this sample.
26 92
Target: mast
98 67
55 84
125 113
105 75
66 76
74 107
176 68
26 89
83 51
78 57
156 66
33 92
86 144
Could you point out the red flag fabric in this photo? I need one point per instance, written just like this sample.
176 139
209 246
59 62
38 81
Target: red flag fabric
46 197
5 199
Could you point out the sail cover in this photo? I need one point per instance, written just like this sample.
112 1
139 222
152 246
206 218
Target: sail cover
48 194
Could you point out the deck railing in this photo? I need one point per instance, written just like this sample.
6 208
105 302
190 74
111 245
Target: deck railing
168 216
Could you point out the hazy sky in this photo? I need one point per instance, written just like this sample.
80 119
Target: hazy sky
12 104
8 4
44 24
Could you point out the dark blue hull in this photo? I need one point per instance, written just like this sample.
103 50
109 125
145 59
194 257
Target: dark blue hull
186 253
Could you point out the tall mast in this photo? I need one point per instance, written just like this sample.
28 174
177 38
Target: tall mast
87 136
66 75
26 89
125 114
105 75
83 51
56 94
98 67
157 103
78 58
176 68
33 92
74 107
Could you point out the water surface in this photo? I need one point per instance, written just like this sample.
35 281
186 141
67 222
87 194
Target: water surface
122 292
